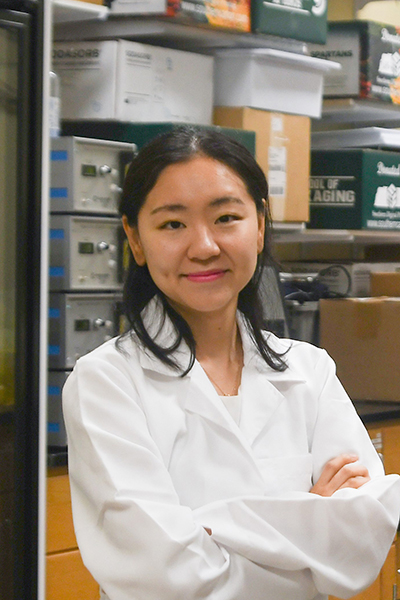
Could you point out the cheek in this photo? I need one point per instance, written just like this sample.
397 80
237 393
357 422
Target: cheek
160 259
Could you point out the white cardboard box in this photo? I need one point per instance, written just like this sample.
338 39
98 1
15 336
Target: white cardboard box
138 7
130 81
270 79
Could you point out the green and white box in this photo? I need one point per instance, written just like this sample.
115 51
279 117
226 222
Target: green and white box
304 20
355 189
370 59
130 81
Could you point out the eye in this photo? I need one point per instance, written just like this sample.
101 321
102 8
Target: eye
172 225
227 218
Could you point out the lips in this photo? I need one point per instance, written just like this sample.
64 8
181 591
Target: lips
206 276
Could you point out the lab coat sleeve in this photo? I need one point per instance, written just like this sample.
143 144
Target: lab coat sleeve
135 537
343 539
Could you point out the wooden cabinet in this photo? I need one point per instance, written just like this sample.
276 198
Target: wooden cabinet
386 438
66 576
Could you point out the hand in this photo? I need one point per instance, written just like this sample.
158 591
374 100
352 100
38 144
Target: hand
341 472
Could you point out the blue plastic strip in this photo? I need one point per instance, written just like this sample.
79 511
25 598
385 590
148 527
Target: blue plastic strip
54 350
57 234
61 192
54 313
56 271
53 427
59 155
54 390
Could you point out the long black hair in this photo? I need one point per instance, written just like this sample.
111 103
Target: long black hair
179 145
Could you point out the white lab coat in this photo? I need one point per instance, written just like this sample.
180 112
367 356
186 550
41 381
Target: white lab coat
154 458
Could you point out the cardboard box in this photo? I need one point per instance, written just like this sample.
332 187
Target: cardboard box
363 337
298 19
341 10
355 189
118 79
270 79
138 7
345 278
282 151
385 284
384 11
215 13
370 59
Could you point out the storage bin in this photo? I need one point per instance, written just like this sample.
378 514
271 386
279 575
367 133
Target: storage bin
270 79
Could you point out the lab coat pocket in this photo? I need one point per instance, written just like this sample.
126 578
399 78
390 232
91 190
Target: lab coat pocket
286 473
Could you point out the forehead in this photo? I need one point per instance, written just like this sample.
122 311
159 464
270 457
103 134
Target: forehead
200 178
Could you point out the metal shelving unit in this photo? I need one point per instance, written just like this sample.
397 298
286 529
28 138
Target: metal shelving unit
160 30
298 234
74 11
358 112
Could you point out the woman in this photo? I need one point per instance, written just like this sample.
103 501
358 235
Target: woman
210 459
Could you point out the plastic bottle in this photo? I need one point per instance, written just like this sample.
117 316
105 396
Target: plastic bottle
54 105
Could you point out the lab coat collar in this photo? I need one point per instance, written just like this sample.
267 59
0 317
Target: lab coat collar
263 388
162 330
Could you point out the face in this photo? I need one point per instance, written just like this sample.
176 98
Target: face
199 234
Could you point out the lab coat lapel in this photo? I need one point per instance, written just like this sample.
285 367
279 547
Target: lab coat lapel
204 400
263 388
263 393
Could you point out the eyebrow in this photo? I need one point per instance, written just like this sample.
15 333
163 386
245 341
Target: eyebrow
181 207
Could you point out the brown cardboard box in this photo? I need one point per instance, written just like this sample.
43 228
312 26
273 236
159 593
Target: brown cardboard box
363 337
94 1
385 284
283 152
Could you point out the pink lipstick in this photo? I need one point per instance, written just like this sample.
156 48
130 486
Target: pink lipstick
206 276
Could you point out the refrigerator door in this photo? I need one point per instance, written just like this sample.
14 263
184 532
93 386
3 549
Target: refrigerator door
20 158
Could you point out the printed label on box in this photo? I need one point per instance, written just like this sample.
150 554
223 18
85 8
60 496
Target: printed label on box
316 7
277 160
333 190
387 196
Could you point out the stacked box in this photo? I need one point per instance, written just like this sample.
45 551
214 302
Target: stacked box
370 59
363 337
234 16
141 133
217 13
123 80
304 20
282 151
355 189
270 79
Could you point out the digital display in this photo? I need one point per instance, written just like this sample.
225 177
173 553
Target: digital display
86 248
82 325
89 170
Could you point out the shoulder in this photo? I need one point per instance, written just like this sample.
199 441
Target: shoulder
299 354
116 358
117 348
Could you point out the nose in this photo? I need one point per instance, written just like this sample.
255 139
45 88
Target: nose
203 244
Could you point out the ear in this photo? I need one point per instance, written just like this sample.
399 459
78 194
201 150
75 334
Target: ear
134 242
261 229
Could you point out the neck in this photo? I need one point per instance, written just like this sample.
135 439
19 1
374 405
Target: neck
218 348
216 335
